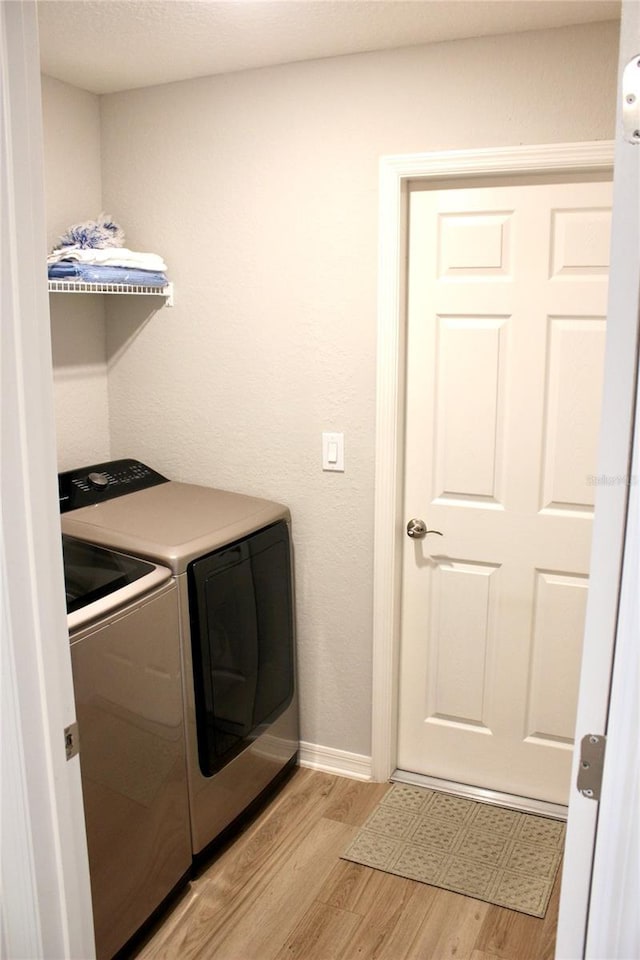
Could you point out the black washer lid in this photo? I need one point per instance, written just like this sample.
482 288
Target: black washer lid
91 572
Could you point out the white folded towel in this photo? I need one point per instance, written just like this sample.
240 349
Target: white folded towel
110 257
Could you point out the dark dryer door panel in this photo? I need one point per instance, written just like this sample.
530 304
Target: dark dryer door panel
242 638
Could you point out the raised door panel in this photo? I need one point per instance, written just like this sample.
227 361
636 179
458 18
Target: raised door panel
470 416
580 243
558 624
463 612
474 245
572 412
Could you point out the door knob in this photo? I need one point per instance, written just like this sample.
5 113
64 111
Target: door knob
417 529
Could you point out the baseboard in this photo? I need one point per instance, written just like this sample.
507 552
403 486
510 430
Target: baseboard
340 762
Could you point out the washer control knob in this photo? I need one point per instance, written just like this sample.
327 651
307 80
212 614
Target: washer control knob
98 480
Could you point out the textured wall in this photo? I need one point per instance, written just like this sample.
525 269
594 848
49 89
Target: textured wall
260 190
73 193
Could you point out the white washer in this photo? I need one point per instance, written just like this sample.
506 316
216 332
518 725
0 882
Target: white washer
231 558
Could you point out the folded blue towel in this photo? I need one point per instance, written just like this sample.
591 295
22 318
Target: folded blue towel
94 273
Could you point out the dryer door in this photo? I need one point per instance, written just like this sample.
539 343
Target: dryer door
242 638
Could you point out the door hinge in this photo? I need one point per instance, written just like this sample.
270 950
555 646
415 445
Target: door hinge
592 750
71 740
631 100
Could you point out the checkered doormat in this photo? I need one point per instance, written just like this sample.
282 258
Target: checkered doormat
491 853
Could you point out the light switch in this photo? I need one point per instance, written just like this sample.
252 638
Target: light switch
333 452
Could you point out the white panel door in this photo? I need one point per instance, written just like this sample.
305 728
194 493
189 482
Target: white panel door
507 302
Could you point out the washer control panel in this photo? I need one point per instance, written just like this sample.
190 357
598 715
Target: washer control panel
104 481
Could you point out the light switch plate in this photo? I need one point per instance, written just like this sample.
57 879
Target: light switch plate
333 452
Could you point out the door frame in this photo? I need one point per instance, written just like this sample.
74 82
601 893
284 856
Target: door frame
47 899
395 174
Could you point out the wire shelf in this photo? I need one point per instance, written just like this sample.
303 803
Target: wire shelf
135 289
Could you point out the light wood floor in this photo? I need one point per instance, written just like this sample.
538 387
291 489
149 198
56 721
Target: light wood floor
281 892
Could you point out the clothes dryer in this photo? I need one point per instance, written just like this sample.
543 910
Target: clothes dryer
230 556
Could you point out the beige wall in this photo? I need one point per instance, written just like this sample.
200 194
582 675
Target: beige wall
74 193
260 190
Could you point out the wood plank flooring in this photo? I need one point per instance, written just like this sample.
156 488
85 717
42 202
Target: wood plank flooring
281 892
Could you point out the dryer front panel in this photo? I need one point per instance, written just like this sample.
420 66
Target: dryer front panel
242 639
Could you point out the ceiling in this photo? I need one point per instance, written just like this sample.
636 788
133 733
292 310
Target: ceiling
109 45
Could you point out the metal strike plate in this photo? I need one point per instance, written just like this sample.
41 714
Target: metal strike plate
592 750
71 740
631 100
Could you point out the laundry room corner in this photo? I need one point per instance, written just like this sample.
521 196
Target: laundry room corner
71 129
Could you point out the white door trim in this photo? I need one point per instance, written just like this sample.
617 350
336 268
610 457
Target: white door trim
44 870
395 174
